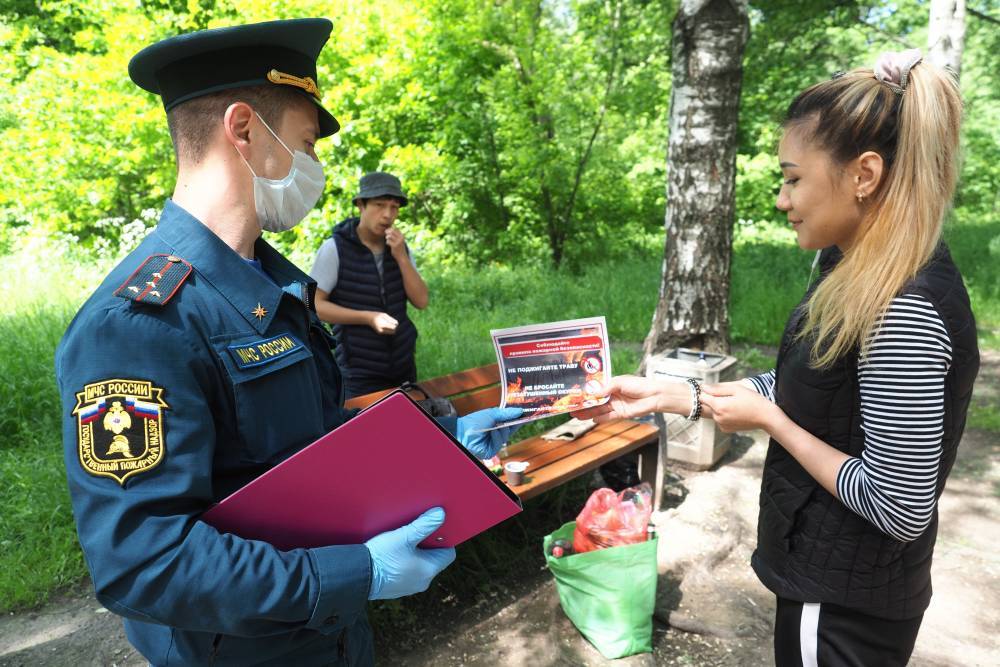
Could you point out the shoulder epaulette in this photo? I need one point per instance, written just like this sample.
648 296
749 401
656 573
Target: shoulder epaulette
156 280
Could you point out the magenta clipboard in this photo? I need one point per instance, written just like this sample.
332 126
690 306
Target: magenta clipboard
376 472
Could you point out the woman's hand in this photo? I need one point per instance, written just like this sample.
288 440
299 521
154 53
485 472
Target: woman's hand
631 396
734 407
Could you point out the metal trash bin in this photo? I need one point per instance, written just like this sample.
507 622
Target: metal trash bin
700 444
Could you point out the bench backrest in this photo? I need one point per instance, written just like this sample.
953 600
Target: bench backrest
469 390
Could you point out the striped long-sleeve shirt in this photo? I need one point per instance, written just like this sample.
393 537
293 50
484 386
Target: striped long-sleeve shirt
901 381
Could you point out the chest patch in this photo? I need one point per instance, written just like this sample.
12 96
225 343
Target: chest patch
260 352
120 427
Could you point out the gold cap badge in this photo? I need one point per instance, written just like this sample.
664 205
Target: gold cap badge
305 83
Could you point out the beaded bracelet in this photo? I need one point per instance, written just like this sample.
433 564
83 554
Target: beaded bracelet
695 400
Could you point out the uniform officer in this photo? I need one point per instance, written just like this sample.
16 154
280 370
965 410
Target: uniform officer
199 363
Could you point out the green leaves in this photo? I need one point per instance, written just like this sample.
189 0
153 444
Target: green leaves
524 132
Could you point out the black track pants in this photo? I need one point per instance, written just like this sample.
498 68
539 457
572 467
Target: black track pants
825 635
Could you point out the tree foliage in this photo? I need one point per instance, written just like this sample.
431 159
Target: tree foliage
524 130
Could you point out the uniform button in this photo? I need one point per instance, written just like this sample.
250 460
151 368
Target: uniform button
331 620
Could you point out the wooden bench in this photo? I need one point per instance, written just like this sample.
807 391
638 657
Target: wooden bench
551 462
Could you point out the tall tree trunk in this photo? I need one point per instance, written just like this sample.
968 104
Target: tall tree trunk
946 34
708 41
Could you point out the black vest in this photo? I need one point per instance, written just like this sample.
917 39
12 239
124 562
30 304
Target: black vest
810 546
360 350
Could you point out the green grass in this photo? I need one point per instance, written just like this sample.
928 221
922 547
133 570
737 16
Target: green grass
986 417
769 274
465 305
38 550
975 246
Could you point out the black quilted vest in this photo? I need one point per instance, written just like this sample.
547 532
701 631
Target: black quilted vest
811 547
360 351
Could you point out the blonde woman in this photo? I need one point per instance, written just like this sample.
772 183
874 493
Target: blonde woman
867 401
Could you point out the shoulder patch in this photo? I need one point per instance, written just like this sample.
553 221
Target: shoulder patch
156 280
120 427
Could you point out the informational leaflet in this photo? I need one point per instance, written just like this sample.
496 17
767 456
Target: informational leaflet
551 369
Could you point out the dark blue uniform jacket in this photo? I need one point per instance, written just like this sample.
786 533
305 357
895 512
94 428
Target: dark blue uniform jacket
168 407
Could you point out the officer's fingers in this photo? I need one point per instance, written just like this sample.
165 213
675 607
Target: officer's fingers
439 558
505 414
425 524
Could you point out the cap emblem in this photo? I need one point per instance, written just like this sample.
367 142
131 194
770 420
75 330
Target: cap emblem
305 83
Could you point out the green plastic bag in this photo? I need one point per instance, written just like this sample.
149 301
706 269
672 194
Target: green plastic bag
609 594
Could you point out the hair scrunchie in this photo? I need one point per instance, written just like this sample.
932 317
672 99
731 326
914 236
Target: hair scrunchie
893 68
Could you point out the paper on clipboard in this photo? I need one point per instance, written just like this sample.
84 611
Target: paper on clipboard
551 369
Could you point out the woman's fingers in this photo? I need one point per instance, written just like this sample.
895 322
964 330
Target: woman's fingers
708 405
615 385
609 416
592 413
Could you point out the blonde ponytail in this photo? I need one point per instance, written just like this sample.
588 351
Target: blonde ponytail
917 134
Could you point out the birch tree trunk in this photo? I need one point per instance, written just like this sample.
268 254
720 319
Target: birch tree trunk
709 37
946 34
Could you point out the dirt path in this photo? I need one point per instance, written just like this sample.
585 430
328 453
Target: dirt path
710 608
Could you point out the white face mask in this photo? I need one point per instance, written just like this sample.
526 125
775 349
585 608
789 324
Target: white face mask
282 204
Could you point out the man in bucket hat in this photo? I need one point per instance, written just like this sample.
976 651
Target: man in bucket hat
363 290
199 364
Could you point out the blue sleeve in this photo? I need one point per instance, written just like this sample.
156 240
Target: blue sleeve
149 555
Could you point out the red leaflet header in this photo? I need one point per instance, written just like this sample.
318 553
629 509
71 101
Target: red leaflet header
554 346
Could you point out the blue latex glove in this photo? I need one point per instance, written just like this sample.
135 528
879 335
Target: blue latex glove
399 567
486 444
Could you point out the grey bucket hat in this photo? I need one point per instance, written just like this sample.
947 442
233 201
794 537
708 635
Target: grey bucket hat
380 184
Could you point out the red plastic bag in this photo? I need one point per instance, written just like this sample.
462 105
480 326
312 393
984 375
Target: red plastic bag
609 519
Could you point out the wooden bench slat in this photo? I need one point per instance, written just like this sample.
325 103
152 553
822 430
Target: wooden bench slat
551 462
564 450
584 461
477 400
463 381
445 386
368 399
526 450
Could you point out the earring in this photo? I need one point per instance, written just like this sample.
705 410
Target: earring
860 197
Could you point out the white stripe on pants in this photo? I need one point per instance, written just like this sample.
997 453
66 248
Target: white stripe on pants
808 632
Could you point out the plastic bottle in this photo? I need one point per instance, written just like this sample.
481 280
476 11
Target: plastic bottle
562 548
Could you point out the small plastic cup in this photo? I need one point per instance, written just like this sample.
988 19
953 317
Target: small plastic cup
515 472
